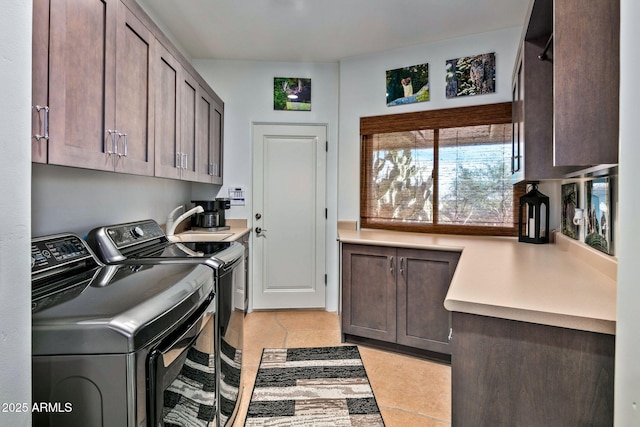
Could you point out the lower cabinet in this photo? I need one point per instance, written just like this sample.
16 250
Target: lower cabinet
396 295
510 373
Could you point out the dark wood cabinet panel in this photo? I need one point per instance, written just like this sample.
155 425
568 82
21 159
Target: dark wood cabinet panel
209 138
533 114
565 98
586 39
81 76
217 150
167 124
134 106
188 140
40 81
423 282
369 292
397 295
204 127
506 372
111 93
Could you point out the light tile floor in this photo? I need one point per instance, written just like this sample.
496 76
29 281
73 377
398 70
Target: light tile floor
410 392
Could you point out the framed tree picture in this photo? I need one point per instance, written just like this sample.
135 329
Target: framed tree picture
291 94
471 75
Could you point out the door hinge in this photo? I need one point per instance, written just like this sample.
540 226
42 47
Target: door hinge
325 280
326 213
326 148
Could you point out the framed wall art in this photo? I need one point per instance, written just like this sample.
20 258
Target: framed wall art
569 204
597 215
408 85
291 94
471 75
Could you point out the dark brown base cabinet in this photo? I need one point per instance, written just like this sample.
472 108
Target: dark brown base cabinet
510 373
396 295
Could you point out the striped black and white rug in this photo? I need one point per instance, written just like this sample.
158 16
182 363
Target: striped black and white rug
320 386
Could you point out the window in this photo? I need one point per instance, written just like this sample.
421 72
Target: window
443 171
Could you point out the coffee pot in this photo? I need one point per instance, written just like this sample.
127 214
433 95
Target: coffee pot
213 217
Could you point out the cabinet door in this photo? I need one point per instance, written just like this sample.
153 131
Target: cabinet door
517 136
166 77
189 95
586 81
81 82
134 95
39 80
513 373
423 281
205 129
218 143
369 291
209 138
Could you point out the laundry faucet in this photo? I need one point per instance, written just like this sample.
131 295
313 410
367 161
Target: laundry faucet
171 227
173 213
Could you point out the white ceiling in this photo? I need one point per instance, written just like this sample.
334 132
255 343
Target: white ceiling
324 30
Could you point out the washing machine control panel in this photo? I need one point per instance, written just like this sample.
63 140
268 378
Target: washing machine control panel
125 235
56 251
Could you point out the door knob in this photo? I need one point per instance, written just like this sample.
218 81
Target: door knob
259 230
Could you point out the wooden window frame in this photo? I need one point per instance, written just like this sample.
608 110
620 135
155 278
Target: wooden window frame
499 113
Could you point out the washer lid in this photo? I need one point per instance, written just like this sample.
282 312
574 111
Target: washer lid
121 309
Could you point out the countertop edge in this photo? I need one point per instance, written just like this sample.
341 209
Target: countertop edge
531 316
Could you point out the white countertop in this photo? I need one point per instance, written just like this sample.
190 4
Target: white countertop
564 284
237 229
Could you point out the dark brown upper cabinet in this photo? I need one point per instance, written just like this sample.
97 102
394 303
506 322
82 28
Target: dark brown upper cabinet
586 37
565 96
110 92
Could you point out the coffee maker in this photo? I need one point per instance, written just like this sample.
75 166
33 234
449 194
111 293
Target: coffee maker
212 219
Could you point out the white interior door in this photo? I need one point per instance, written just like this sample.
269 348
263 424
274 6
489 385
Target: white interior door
289 186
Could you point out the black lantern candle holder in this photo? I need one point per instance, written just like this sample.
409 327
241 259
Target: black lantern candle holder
533 217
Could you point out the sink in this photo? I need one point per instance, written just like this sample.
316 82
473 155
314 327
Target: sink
199 237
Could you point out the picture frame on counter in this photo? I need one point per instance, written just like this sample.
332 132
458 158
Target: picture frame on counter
597 215
570 200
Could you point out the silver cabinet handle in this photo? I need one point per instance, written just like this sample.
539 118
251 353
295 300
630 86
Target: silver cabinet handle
45 126
46 123
179 160
114 141
402 266
184 160
391 264
124 145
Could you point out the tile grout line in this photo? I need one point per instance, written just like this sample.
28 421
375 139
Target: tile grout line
286 330
420 414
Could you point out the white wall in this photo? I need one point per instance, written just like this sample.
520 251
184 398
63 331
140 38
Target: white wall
363 93
627 386
246 87
15 230
78 200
